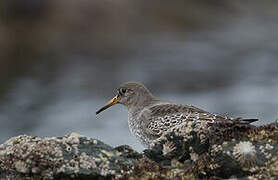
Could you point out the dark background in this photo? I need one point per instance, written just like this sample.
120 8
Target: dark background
62 60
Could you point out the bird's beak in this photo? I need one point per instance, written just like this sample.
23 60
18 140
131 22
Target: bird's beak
110 103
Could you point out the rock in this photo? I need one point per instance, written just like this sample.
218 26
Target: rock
196 150
219 150
67 157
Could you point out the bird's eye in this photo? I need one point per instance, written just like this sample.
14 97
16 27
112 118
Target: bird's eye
122 91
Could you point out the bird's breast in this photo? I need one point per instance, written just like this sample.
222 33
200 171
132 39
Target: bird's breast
133 123
136 128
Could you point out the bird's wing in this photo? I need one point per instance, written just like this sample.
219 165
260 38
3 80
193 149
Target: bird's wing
160 118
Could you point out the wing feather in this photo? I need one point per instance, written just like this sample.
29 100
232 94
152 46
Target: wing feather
162 117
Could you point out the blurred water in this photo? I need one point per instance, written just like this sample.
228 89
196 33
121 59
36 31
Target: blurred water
228 66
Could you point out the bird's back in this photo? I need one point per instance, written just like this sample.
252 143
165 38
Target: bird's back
157 119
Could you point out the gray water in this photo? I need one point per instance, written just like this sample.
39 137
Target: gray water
229 67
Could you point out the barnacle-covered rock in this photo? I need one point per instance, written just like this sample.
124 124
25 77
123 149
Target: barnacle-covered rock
148 169
72 156
219 150
194 150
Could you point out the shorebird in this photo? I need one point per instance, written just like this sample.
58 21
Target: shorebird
149 117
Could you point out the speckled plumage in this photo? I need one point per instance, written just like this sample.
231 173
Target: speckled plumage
149 117
151 122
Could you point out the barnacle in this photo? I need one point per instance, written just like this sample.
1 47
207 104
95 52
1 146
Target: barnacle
245 153
168 147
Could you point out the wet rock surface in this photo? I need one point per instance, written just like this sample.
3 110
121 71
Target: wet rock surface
196 150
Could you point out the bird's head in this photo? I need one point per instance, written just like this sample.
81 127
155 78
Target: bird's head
131 95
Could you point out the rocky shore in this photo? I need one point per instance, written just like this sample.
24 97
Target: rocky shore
198 150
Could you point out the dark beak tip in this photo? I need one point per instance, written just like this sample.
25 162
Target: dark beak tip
101 109
98 112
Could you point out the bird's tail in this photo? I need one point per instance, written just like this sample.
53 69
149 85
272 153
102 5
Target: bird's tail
247 121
